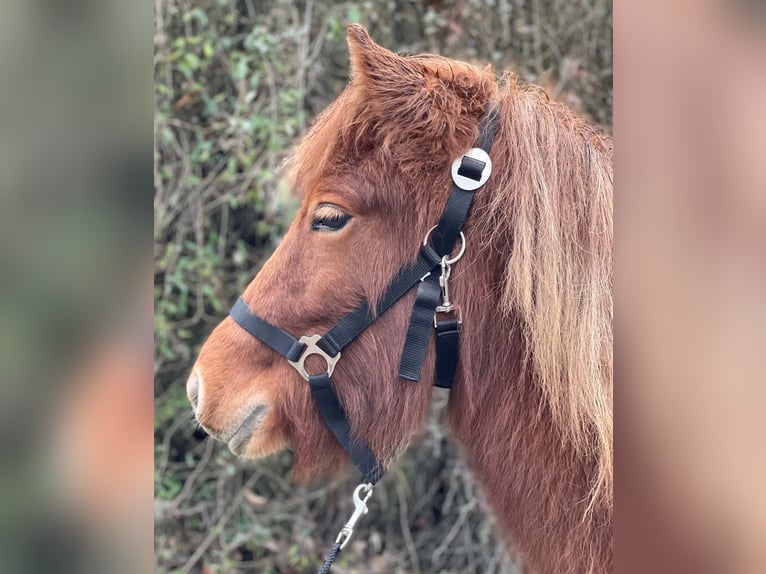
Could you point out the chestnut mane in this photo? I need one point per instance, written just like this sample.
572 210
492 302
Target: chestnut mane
533 398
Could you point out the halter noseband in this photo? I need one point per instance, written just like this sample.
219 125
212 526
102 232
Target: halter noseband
469 172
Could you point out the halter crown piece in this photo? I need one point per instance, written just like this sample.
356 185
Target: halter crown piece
430 272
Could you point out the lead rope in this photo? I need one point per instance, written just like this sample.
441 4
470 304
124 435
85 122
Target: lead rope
331 556
360 509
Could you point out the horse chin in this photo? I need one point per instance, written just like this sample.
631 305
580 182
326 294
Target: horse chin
262 449
261 444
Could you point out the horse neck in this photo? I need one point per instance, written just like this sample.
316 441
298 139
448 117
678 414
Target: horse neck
536 483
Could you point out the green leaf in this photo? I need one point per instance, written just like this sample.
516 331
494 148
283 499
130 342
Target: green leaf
207 49
239 70
191 60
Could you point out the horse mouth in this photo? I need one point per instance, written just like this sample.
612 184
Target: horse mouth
241 437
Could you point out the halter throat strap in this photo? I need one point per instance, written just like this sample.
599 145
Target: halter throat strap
469 172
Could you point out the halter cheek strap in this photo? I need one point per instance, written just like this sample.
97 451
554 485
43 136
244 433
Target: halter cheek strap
469 173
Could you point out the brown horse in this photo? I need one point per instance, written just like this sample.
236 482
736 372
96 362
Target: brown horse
532 398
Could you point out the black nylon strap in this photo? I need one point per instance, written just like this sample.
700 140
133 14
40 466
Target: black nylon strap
444 237
447 352
281 341
332 411
349 328
459 203
452 219
419 330
488 127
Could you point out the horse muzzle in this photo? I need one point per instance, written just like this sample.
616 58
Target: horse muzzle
242 434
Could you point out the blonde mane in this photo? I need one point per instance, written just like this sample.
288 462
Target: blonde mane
558 192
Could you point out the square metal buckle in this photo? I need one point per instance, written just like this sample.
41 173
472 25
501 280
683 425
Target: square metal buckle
451 309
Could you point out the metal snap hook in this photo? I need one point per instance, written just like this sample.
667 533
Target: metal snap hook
360 509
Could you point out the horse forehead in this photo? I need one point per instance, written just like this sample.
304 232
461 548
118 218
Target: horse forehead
358 188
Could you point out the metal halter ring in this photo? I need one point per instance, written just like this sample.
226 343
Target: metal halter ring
313 349
457 257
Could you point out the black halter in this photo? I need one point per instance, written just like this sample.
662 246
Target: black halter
469 172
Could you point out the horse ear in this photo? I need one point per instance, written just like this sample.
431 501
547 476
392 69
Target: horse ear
381 72
375 67
427 97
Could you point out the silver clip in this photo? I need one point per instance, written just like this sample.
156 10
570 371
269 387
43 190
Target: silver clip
446 305
360 509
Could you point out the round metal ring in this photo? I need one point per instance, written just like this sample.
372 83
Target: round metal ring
457 257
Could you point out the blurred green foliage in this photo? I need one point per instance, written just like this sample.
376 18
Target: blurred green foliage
222 128
236 84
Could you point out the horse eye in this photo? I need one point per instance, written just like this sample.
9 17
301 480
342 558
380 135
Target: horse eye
332 222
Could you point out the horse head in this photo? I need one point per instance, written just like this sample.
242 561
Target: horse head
373 173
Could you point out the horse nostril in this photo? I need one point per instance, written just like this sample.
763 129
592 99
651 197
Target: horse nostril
192 388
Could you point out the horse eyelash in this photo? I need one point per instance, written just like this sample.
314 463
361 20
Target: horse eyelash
330 222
